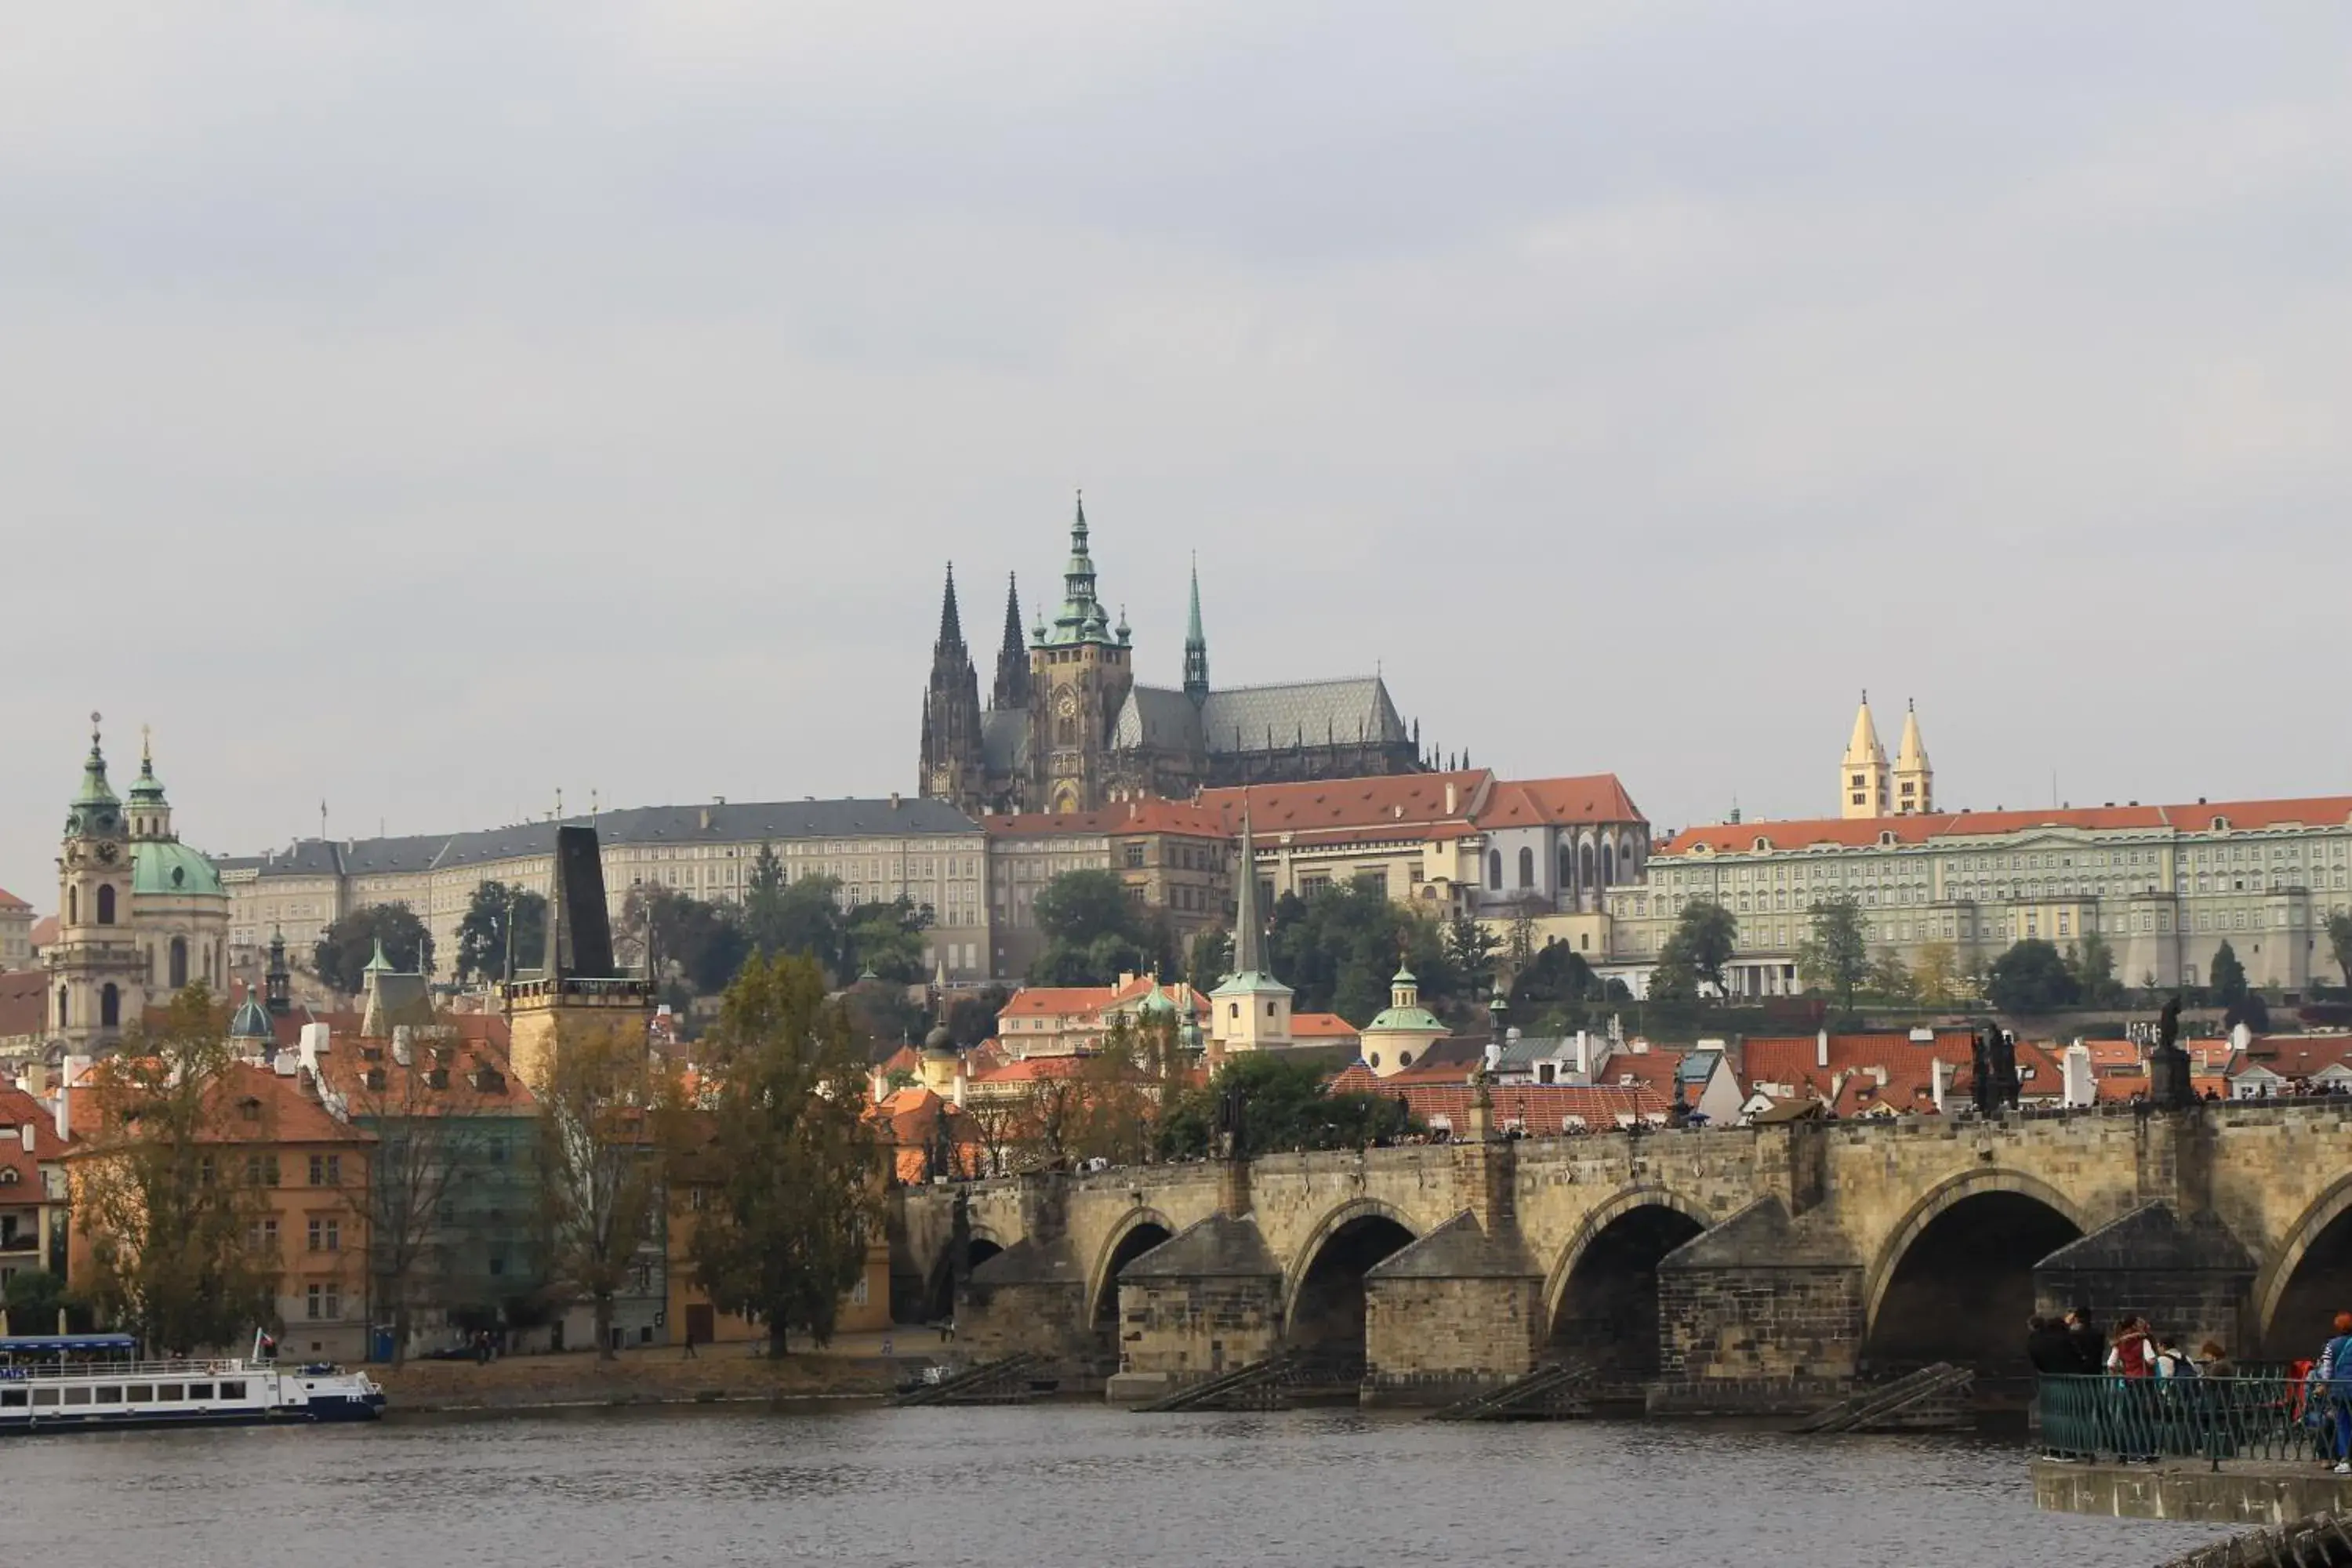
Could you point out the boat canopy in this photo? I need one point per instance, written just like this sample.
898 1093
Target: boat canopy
55 1345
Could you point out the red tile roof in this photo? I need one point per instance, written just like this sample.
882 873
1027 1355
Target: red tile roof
1727 837
45 930
1540 1109
1592 797
1397 806
1321 1026
18 1109
11 904
24 1002
1125 817
2296 1056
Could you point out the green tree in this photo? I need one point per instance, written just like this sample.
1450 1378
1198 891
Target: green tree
1519 949
2032 977
2339 941
703 943
1674 979
1338 949
1094 932
802 917
1891 981
1836 956
2094 972
34 1296
1471 950
785 1237
1549 994
2229 976
887 940
1708 936
1211 959
344 949
168 1198
972 1017
600 1167
1285 1104
500 920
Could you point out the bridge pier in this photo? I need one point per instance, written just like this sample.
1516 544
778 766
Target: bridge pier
1457 1313
1764 1314
1203 1303
2190 1277
1032 1296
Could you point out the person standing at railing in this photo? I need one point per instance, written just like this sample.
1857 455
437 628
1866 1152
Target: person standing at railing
2331 1381
2090 1346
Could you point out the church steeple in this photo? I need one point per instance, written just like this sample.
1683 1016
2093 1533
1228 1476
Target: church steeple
1251 1011
96 969
1013 657
1915 781
1196 647
1082 619
1862 777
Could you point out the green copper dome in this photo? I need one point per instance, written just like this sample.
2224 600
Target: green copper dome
252 1020
147 789
1410 1020
1156 1004
94 809
166 866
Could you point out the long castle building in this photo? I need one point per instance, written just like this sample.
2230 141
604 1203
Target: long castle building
1068 728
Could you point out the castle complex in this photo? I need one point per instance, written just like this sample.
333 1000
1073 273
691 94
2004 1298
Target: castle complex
1067 729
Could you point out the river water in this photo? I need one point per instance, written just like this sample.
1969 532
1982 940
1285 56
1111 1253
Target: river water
1053 1487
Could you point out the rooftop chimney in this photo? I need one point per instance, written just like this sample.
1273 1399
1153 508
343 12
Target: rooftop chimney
1821 1048
25 1133
2074 1074
1449 798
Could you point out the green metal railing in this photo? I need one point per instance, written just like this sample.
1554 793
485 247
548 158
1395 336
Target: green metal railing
2257 1415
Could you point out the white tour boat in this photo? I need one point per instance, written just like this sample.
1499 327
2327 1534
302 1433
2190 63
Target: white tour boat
58 1382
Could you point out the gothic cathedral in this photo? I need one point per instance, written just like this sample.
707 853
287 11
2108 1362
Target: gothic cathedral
1067 729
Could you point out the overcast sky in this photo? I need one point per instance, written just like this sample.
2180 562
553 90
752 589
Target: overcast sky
423 406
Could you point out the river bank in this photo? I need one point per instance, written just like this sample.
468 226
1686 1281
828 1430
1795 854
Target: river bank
716 1374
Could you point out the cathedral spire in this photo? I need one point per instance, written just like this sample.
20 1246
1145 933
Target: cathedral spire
1861 775
1249 936
1196 645
950 620
1012 658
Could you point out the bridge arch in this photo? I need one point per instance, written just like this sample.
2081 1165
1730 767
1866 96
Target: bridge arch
1601 1299
1324 1296
2293 1302
1132 1235
939 1288
1966 1293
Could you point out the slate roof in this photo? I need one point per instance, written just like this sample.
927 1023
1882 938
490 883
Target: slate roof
1155 716
729 824
1259 717
1219 1247
1459 1249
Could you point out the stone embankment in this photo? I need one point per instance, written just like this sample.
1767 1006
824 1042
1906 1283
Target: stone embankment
718 1374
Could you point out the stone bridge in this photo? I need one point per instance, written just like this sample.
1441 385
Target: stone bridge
1712 1265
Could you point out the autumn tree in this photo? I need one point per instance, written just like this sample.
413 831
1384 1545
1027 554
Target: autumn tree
173 1208
783 1238
1938 974
425 1113
600 1171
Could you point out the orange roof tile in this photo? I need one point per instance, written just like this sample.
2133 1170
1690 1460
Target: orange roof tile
10 903
1801 833
1321 1026
1395 802
1132 816
1593 797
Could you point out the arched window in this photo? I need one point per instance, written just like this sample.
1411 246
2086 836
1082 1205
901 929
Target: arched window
179 963
106 903
73 906
1526 868
1566 868
62 1011
1495 870
110 1006
1584 860
1607 864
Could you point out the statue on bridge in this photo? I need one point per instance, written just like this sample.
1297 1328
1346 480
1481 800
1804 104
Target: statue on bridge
1993 1058
1232 1128
2169 1085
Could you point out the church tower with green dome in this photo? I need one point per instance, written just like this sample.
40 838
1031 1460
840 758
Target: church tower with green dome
1080 671
96 973
180 909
